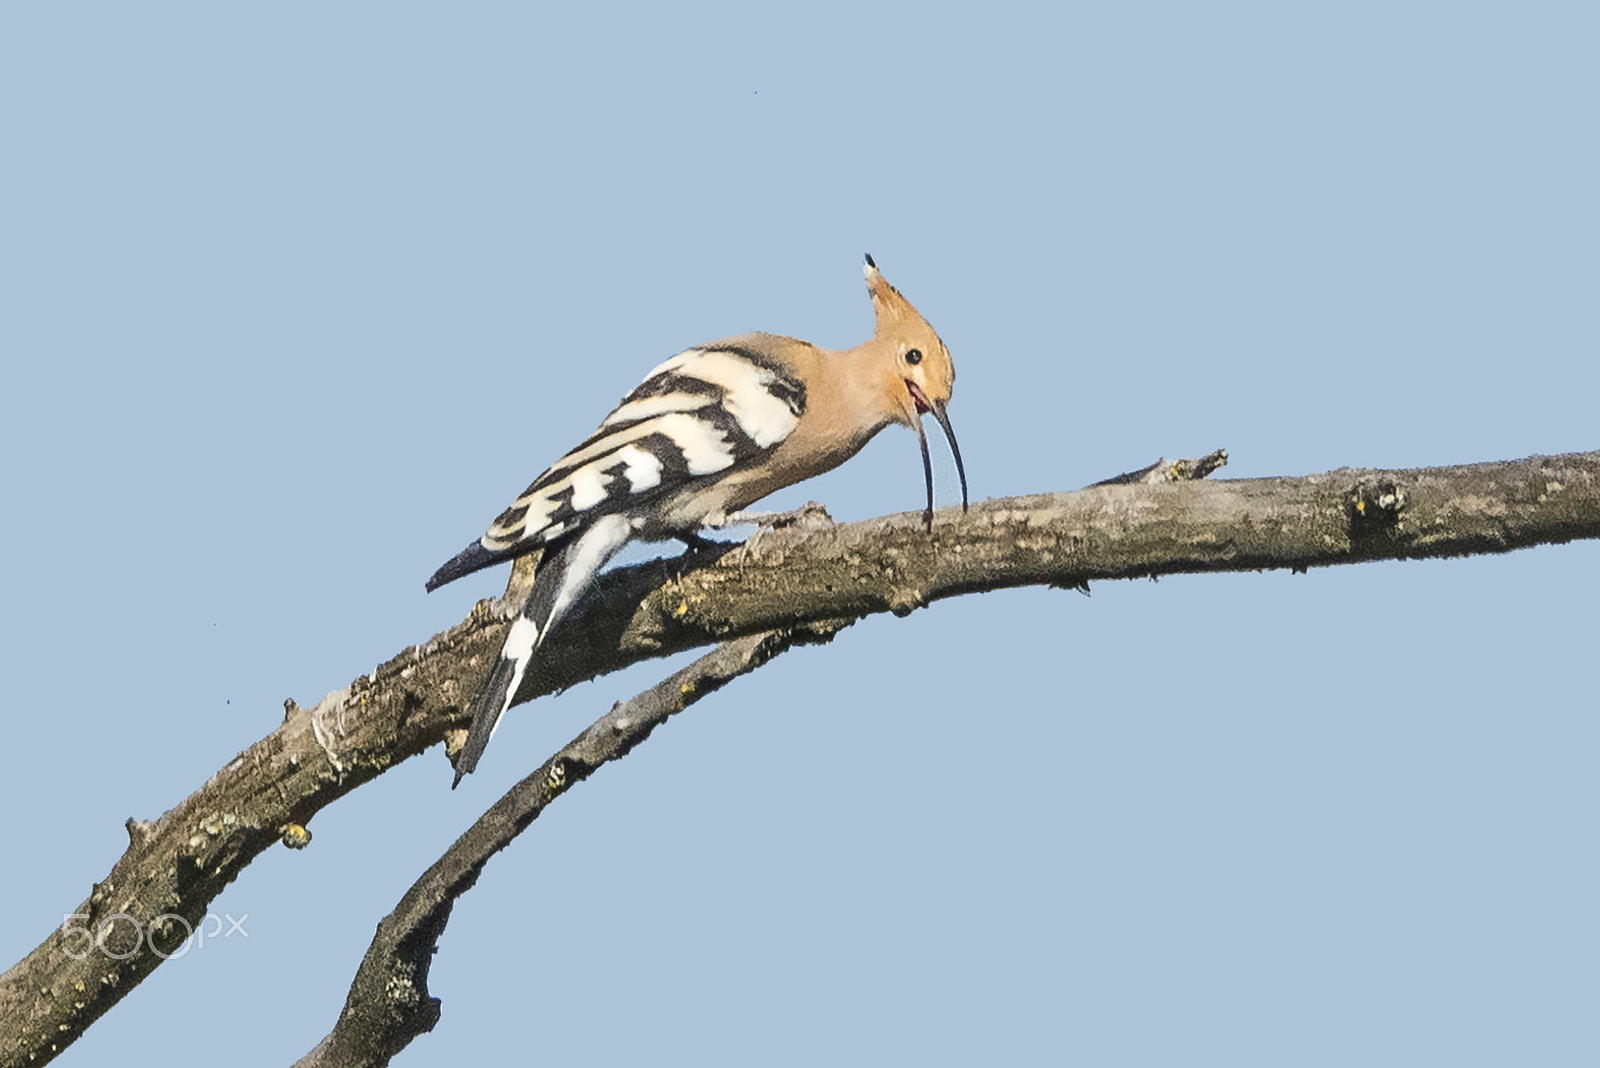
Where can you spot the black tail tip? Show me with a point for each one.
(473, 558)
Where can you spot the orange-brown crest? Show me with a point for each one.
(900, 330)
(919, 373)
(888, 305)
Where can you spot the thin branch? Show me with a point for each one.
(175, 866)
(389, 1004)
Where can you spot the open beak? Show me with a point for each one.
(923, 405)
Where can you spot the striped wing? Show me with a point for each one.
(699, 415)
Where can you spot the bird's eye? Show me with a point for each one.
(913, 356)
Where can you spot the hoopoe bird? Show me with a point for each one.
(707, 433)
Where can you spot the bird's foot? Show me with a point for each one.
(810, 516)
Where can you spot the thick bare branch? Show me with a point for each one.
(176, 865)
(389, 1005)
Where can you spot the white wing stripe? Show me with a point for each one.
(539, 511)
(704, 448)
(604, 446)
(736, 375)
(588, 487)
(764, 417)
(643, 470)
(674, 364)
(646, 407)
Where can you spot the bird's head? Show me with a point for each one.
(918, 375)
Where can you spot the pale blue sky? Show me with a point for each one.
(295, 300)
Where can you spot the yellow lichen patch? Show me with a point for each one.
(296, 837)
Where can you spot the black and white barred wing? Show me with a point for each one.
(699, 416)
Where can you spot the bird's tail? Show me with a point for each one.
(487, 708)
(563, 576)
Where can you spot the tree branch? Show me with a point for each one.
(388, 1004)
(175, 866)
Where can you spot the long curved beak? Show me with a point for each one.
(922, 403)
